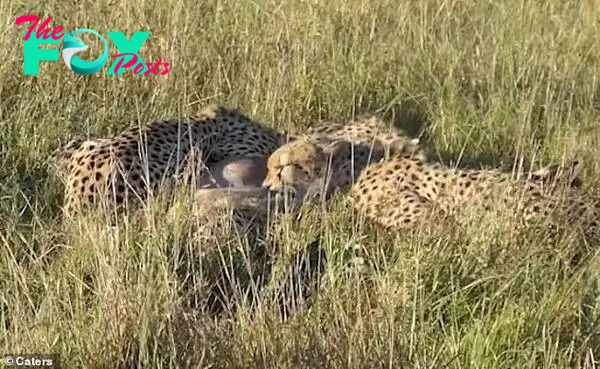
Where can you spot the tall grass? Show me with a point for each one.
(491, 82)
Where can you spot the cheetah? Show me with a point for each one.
(396, 189)
(410, 188)
(250, 208)
(318, 168)
(366, 140)
(129, 165)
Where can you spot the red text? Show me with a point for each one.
(153, 68)
(42, 31)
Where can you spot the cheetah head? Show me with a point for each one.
(296, 166)
(305, 165)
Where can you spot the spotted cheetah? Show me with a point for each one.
(398, 193)
(126, 166)
(398, 188)
(366, 140)
(320, 166)
(369, 128)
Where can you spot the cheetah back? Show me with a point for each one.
(398, 193)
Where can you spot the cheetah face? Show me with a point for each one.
(294, 166)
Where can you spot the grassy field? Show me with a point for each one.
(489, 82)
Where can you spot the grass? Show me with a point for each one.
(485, 82)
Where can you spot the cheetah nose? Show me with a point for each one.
(267, 182)
(270, 182)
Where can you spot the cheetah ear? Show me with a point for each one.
(571, 171)
(209, 111)
(574, 173)
(402, 146)
(285, 138)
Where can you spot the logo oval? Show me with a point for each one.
(73, 45)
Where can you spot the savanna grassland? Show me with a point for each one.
(485, 82)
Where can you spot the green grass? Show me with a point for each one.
(485, 81)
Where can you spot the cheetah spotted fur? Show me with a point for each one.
(127, 166)
(396, 184)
